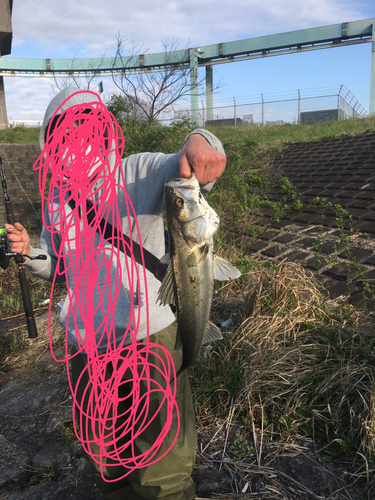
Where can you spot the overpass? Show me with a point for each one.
(332, 36)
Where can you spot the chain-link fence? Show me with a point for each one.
(299, 107)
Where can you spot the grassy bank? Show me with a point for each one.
(287, 133)
(140, 136)
(19, 135)
(294, 367)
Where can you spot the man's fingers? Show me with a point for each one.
(19, 226)
(198, 156)
(185, 170)
(16, 229)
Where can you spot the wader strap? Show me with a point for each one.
(109, 232)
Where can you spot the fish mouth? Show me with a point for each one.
(187, 183)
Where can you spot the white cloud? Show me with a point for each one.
(93, 25)
(250, 18)
(27, 98)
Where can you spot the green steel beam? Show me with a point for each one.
(322, 37)
(194, 91)
(332, 35)
(209, 92)
(111, 65)
(335, 35)
(286, 51)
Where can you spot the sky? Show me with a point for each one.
(89, 28)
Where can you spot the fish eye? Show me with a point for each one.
(178, 202)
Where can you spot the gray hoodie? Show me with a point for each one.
(145, 174)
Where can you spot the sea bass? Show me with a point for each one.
(189, 280)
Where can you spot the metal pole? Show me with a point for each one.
(3, 108)
(372, 81)
(338, 97)
(209, 93)
(299, 107)
(235, 112)
(194, 85)
(262, 110)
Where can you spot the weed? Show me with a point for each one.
(11, 342)
(298, 364)
(20, 135)
(33, 476)
(369, 291)
(242, 448)
(68, 433)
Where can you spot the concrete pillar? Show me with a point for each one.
(209, 93)
(3, 109)
(372, 80)
(194, 85)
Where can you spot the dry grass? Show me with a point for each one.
(297, 369)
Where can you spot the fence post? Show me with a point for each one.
(194, 85)
(262, 110)
(209, 93)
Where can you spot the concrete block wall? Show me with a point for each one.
(22, 182)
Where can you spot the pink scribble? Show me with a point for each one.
(77, 158)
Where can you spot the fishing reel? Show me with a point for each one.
(5, 251)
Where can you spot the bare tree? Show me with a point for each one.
(86, 82)
(152, 91)
(135, 109)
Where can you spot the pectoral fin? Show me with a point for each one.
(224, 270)
(166, 258)
(196, 257)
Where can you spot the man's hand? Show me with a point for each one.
(19, 238)
(198, 156)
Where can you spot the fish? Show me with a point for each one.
(188, 283)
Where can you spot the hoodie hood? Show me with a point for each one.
(85, 144)
(70, 96)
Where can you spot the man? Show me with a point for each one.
(144, 175)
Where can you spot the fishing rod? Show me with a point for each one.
(5, 256)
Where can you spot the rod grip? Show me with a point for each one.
(9, 213)
(25, 291)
